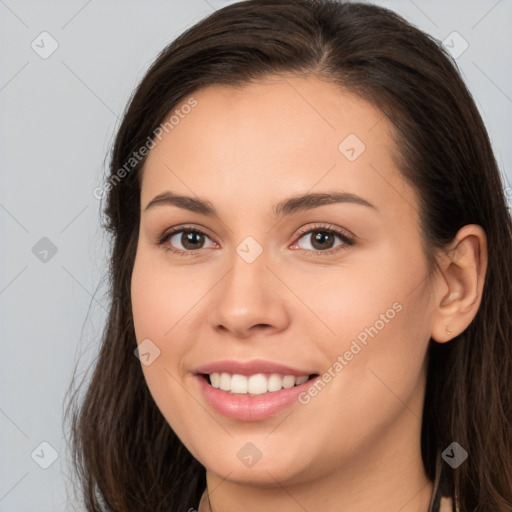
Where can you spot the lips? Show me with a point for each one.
(251, 391)
(253, 377)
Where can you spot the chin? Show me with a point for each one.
(259, 463)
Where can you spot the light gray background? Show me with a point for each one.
(58, 118)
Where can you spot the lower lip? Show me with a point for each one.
(250, 407)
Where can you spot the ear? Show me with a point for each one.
(459, 283)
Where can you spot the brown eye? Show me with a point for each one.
(191, 240)
(322, 240)
(183, 241)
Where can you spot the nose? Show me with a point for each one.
(250, 300)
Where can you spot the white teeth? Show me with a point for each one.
(225, 382)
(215, 379)
(255, 384)
(238, 384)
(288, 382)
(301, 380)
(275, 383)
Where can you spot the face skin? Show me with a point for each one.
(356, 442)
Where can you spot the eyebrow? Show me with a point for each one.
(286, 207)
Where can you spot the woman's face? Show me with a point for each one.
(299, 256)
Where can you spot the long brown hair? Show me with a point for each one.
(126, 455)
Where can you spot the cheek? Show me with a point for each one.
(163, 300)
(154, 315)
(379, 320)
(384, 291)
(158, 305)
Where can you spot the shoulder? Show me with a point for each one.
(446, 504)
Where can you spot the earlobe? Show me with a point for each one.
(460, 283)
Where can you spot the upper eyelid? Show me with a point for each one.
(179, 229)
(326, 227)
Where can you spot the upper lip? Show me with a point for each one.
(250, 368)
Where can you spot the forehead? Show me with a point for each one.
(281, 135)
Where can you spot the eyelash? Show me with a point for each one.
(345, 238)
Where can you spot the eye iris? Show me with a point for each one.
(190, 238)
(322, 236)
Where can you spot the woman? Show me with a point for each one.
(312, 265)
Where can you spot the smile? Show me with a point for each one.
(251, 391)
(256, 384)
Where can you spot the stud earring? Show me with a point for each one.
(448, 330)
